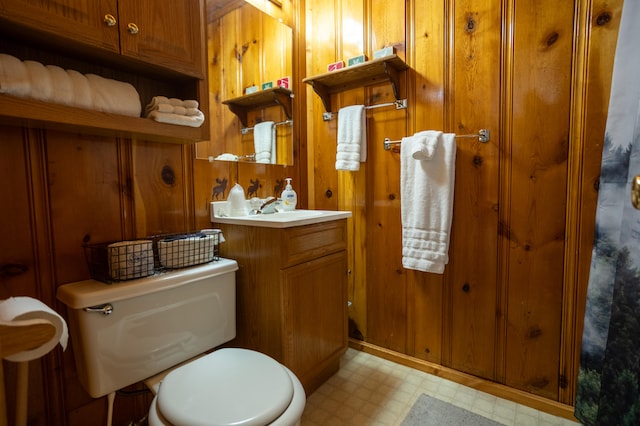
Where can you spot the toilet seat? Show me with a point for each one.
(228, 386)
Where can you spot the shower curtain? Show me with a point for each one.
(608, 391)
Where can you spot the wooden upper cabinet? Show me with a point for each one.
(80, 20)
(165, 33)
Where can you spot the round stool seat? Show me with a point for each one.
(227, 387)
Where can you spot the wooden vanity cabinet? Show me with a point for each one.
(292, 294)
(165, 33)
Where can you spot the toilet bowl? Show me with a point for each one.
(137, 330)
(229, 387)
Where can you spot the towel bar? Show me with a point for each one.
(246, 130)
(483, 136)
(399, 104)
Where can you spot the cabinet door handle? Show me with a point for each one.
(110, 20)
(132, 28)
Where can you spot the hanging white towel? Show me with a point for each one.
(264, 141)
(426, 191)
(352, 138)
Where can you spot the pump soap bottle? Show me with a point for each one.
(289, 197)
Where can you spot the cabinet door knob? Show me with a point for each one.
(132, 28)
(110, 20)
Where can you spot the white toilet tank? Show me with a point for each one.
(126, 332)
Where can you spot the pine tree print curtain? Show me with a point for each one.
(608, 391)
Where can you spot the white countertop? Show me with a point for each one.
(284, 219)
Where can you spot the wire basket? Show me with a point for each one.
(125, 260)
(120, 261)
(183, 250)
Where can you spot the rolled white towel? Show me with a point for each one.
(160, 103)
(176, 102)
(179, 110)
(181, 120)
(190, 103)
(40, 79)
(114, 96)
(82, 94)
(14, 79)
(191, 112)
(63, 92)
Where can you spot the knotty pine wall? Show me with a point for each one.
(509, 307)
(537, 74)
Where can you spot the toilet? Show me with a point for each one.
(137, 330)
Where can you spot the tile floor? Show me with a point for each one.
(369, 390)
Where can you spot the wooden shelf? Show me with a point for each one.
(365, 74)
(240, 106)
(31, 113)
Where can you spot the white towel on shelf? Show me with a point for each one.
(426, 193)
(14, 79)
(63, 92)
(352, 138)
(264, 142)
(40, 79)
(82, 94)
(114, 96)
(174, 111)
(181, 120)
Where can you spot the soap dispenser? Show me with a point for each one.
(289, 197)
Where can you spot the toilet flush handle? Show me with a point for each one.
(104, 309)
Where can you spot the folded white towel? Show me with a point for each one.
(156, 101)
(352, 137)
(181, 120)
(63, 92)
(191, 111)
(426, 192)
(190, 103)
(264, 142)
(114, 96)
(40, 79)
(227, 157)
(82, 93)
(14, 78)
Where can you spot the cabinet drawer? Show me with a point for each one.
(308, 242)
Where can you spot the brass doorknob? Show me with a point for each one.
(635, 192)
(110, 20)
(132, 28)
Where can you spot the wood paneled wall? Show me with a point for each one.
(509, 307)
(536, 74)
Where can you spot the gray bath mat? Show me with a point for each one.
(429, 411)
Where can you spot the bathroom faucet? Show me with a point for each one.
(269, 206)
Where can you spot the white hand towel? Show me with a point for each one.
(114, 96)
(62, 85)
(14, 78)
(181, 120)
(352, 137)
(82, 94)
(424, 144)
(40, 78)
(264, 141)
(426, 192)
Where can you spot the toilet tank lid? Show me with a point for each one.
(83, 294)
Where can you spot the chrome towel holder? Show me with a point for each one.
(483, 135)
